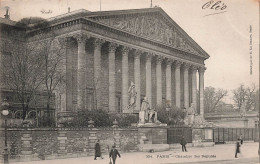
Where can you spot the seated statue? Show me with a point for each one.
(147, 114)
(152, 116)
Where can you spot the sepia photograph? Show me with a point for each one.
(129, 81)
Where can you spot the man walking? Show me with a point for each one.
(183, 144)
(237, 147)
(114, 153)
(97, 151)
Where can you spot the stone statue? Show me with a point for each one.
(190, 114)
(152, 116)
(145, 107)
(132, 96)
(147, 114)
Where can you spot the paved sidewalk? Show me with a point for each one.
(217, 154)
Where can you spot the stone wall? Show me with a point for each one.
(37, 144)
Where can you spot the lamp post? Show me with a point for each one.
(5, 112)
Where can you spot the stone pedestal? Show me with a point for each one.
(201, 137)
(152, 135)
(62, 138)
(26, 143)
(141, 117)
(92, 139)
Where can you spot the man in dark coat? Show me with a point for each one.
(114, 153)
(97, 150)
(237, 147)
(183, 144)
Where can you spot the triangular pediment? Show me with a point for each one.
(155, 25)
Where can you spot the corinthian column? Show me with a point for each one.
(81, 39)
(97, 71)
(169, 81)
(149, 78)
(137, 79)
(178, 83)
(186, 85)
(111, 73)
(201, 87)
(159, 80)
(125, 51)
(194, 86)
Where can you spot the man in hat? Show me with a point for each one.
(183, 144)
(114, 153)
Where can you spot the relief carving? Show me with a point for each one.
(151, 27)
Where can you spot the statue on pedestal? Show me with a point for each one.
(190, 114)
(147, 115)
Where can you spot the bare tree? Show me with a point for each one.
(244, 94)
(22, 70)
(213, 98)
(53, 52)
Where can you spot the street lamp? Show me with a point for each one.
(5, 112)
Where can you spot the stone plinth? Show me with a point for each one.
(117, 138)
(202, 137)
(152, 135)
(92, 139)
(27, 143)
(62, 138)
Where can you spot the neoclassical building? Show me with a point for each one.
(106, 51)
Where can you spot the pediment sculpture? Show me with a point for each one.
(149, 26)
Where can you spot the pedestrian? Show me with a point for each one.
(183, 144)
(241, 139)
(114, 153)
(237, 147)
(97, 150)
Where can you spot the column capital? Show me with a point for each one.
(186, 66)
(137, 52)
(81, 38)
(148, 56)
(98, 42)
(194, 67)
(125, 50)
(169, 61)
(202, 69)
(178, 63)
(63, 39)
(159, 59)
(112, 47)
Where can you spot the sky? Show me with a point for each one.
(221, 28)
